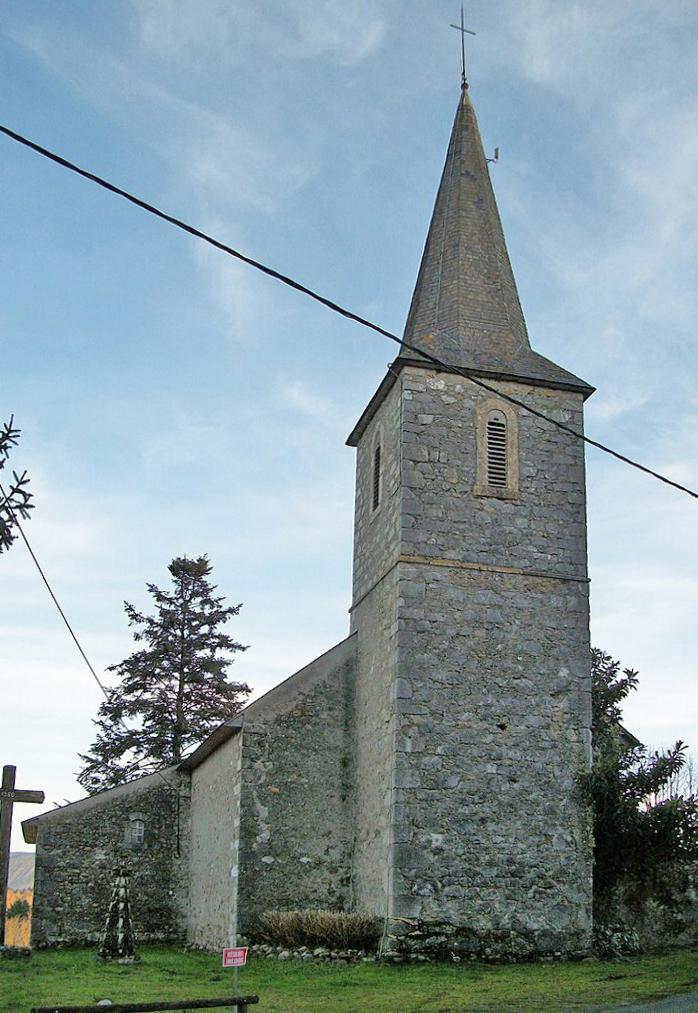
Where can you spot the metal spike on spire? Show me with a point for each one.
(463, 30)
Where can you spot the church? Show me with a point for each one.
(425, 769)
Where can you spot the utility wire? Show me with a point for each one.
(15, 520)
(37, 564)
(335, 307)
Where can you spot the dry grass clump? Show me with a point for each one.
(19, 920)
(337, 930)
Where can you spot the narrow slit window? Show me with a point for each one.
(376, 476)
(497, 450)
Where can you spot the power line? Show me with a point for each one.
(335, 307)
(15, 520)
(71, 631)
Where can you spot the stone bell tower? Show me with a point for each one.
(470, 604)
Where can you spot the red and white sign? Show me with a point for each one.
(235, 956)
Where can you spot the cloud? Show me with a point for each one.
(227, 163)
(559, 45)
(310, 404)
(177, 27)
(607, 406)
(235, 290)
(185, 441)
(343, 33)
(217, 153)
(347, 33)
(576, 46)
(67, 526)
(643, 565)
(219, 168)
(617, 232)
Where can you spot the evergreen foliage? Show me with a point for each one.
(174, 691)
(645, 838)
(15, 500)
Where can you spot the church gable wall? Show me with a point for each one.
(215, 800)
(79, 846)
(295, 833)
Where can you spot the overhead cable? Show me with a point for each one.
(71, 631)
(335, 307)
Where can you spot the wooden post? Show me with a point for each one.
(8, 783)
(8, 796)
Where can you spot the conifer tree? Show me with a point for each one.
(645, 837)
(174, 691)
(15, 498)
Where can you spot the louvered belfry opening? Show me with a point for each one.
(376, 476)
(497, 450)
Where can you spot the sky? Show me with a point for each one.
(174, 402)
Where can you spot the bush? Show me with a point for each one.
(614, 939)
(333, 929)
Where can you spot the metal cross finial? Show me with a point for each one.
(463, 30)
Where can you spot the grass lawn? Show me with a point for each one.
(166, 972)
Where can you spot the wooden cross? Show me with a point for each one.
(8, 796)
(463, 30)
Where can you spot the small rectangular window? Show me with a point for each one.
(136, 832)
(376, 476)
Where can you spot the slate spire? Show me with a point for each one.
(465, 308)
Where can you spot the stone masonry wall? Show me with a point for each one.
(492, 737)
(374, 617)
(295, 803)
(377, 532)
(215, 798)
(79, 846)
(544, 530)
(491, 836)
(374, 757)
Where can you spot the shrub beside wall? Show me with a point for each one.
(336, 930)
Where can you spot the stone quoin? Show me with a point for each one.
(425, 769)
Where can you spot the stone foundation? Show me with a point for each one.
(414, 939)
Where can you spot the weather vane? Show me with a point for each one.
(463, 30)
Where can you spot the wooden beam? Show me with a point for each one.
(22, 795)
(240, 1001)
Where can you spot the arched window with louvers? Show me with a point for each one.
(497, 450)
(496, 435)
